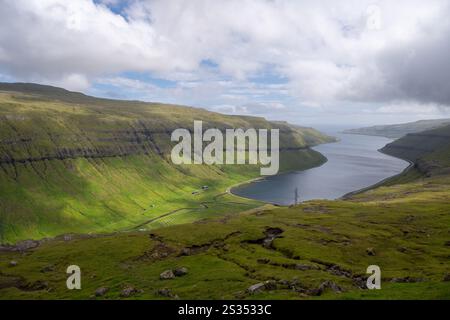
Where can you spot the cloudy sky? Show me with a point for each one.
(308, 62)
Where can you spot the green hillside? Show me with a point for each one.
(317, 250)
(230, 247)
(74, 163)
(396, 131)
(430, 150)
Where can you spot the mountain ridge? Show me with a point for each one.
(396, 131)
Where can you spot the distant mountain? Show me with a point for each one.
(396, 131)
(429, 150)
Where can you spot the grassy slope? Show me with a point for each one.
(73, 163)
(430, 150)
(405, 225)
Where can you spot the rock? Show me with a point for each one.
(402, 249)
(271, 234)
(270, 285)
(101, 291)
(303, 267)
(267, 285)
(167, 293)
(27, 244)
(360, 281)
(407, 279)
(267, 243)
(447, 243)
(35, 286)
(329, 285)
(256, 288)
(67, 237)
(167, 275)
(179, 272)
(370, 251)
(447, 277)
(160, 251)
(13, 263)
(129, 291)
(284, 282)
(185, 252)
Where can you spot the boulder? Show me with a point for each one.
(101, 291)
(13, 263)
(185, 252)
(26, 244)
(179, 272)
(407, 279)
(329, 285)
(303, 267)
(447, 277)
(129, 291)
(256, 288)
(270, 285)
(167, 275)
(37, 285)
(167, 293)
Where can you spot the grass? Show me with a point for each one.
(70, 163)
(224, 241)
(406, 225)
(112, 194)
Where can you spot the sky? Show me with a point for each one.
(348, 63)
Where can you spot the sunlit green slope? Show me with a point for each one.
(74, 163)
(316, 250)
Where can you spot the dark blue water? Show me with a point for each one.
(353, 163)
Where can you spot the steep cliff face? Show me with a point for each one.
(43, 123)
(74, 163)
(430, 150)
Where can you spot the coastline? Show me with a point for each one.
(229, 190)
(343, 197)
(382, 182)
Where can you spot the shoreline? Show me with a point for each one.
(230, 191)
(343, 197)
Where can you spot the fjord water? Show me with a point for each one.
(353, 163)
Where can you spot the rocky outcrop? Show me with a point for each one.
(167, 275)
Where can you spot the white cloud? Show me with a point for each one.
(410, 108)
(329, 52)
